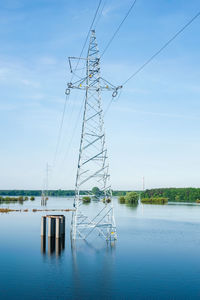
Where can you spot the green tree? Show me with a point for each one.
(131, 197)
(96, 191)
(86, 199)
(122, 199)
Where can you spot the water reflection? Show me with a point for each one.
(89, 262)
(43, 244)
(132, 206)
(55, 245)
(60, 246)
(43, 201)
(51, 245)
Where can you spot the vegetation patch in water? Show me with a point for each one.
(122, 200)
(174, 194)
(106, 200)
(86, 199)
(155, 200)
(7, 199)
(129, 198)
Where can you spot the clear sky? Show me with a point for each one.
(152, 130)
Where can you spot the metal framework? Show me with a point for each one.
(93, 167)
(45, 190)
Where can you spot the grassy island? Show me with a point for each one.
(106, 200)
(129, 198)
(154, 200)
(13, 199)
(122, 200)
(86, 199)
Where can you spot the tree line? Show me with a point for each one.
(174, 194)
(55, 193)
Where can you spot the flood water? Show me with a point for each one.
(156, 256)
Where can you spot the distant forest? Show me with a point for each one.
(174, 194)
(55, 193)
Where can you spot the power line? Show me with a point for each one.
(94, 18)
(118, 28)
(60, 129)
(162, 48)
(110, 102)
(64, 107)
(73, 132)
(100, 15)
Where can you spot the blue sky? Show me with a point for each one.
(152, 129)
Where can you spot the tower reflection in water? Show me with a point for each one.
(93, 265)
(55, 245)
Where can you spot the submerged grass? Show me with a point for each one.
(154, 200)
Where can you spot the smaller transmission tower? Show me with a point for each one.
(45, 191)
(93, 167)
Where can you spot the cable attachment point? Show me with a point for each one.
(69, 85)
(67, 91)
(114, 94)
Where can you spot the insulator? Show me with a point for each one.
(67, 91)
(114, 94)
(69, 85)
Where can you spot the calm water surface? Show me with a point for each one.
(156, 256)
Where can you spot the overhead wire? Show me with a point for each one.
(110, 102)
(162, 48)
(60, 129)
(100, 15)
(158, 52)
(73, 132)
(65, 102)
(118, 28)
(94, 18)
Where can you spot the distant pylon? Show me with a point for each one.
(143, 183)
(45, 191)
(93, 167)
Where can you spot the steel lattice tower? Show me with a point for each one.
(93, 167)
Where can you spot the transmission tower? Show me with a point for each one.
(93, 167)
(45, 191)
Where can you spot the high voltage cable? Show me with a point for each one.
(64, 107)
(162, 48)
(110, 102)
(118, 28)
(94, 18)
(157, 53)
(73, 132)
(60, 129)
(100, 15)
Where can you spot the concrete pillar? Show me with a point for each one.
(43, 226)
(58, 227)
(63, 225)
(51, 227)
